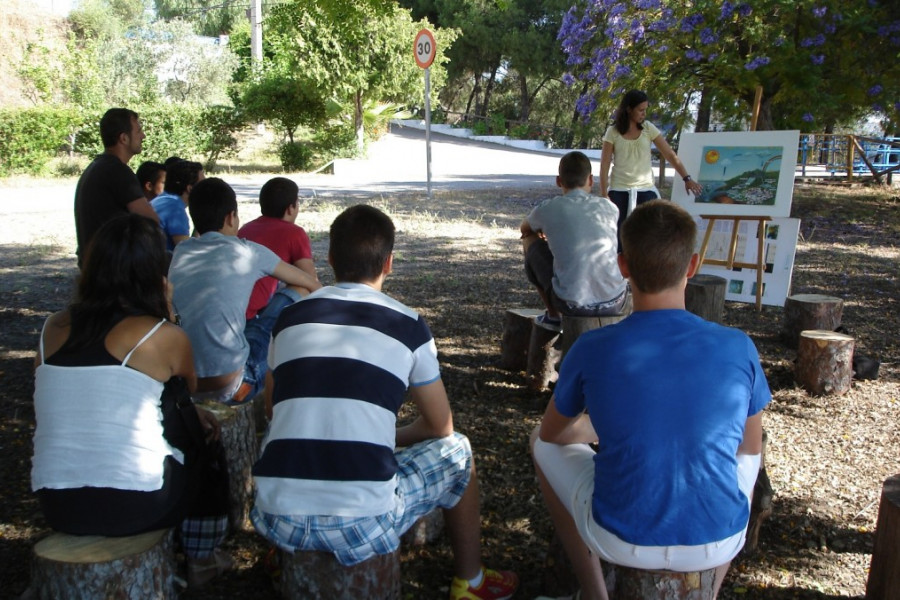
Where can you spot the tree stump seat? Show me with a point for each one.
(705, 296)
(241, 451)
(87, 567)
(626, 583)
(514, 344)
(318, 575)
(810, 311)
(824, 362)
(425, 530)
(884, 570)
(543, 355)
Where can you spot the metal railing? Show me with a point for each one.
(848, 156)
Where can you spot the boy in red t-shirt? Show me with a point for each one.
(276, 230)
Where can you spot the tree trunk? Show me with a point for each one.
(524, 99)
(358, 123)
(473, 96)
(542, 356)
(489, 88)
(704, 110)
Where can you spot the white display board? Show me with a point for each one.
(742, 173)
(778, 252)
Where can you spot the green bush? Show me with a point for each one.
(218, 125)
(479, 128)
(30, 138)
(295, 156)
(520, 132)
(497, 124)
(336, 141)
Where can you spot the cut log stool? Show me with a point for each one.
(705, 297)
(824, 362)
(313, 575)
(625, 583)
(761, 505)
(809, 311)
(884, 572)
(517, 324)
(543, 354)
(241, 451)
(573, 327)
(425, 530)
(87, 567)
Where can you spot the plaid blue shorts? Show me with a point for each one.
(200, 536)
(431, 474)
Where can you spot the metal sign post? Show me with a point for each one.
(424, 50)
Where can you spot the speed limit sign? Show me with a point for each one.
(424, 48)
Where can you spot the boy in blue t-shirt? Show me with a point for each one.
(676, 408)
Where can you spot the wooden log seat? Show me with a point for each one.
(625, 583)
(543, 354)
(705, 297)
(318, 575)
(761, 507)
(241, 451)
(88, 567)
(517, 324)
(884, 571)
(425, 530)
(824, 362)
(809, 311)
(573, 327)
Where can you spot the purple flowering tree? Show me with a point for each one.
(819, 62)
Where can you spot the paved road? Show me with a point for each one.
(34, 211)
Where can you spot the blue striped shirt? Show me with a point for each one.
(342, 360)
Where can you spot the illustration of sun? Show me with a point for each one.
(712, 157)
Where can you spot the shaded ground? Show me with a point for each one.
(458, 262)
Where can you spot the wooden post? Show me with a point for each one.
(809, 311)
(516, 336)
(241, 451)
(85, 567)
(543, 355)
(705, 297)
(884, 572)
(318, 575)
(757, 103)
(625, 583)
(824, 362)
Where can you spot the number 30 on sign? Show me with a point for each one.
(424, 48)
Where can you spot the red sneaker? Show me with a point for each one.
(496, 585)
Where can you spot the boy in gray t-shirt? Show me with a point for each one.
(213, 276)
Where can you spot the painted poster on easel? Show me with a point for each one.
(779, 248)
(742, 173)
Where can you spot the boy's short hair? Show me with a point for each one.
(180, 175)
(276, 196)
(361, 241)
(114, 123)
(574, 169)
(210, 202)
(149, 172)
(658, 240)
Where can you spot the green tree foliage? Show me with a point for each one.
(818, 62)
(352, 51)
(107, 19)
(208, 17)
(285, 101)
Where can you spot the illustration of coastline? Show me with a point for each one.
(739, 174)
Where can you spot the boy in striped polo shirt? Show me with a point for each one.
(330, 477)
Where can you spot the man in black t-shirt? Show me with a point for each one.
(108, 187)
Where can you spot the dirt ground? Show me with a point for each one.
(458, 261)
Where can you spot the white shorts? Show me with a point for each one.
(569, 470)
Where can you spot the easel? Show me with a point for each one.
(729, 263)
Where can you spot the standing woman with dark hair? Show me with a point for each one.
(118, 448)
(626, 145)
